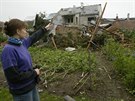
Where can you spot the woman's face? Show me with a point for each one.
(22, 33)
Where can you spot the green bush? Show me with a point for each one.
(60, 60)
(123, 61)
(5, 95)
(2, 38)
(129, 34)
(111, 49)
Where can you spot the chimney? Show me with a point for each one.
(128, 16)
(82, 4)
(117, 18)
(74, 8)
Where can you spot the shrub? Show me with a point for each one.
(129, 34)
(60, 60)
(123, 61)
(2, 38)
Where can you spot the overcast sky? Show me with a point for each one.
(25, 9)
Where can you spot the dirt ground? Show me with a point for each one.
(100, 85)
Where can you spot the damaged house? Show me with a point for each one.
(76, 16)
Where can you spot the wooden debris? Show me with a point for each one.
(82, 74)
(45, 82)
(65, 74)
(82, 85)
(52, 73)
(107, 72)
(50, 80)
(53, 41)
(95, 30)
(80, 80)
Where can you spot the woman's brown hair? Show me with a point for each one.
(11, 27)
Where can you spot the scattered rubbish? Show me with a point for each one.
(68, 98)
(70, 49)
(40, 90)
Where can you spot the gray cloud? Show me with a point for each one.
(24, 8)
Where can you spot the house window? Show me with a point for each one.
(91, 19)
(68, 20)
(71, 20)
(70, 12)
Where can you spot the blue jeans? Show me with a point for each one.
(33, 95)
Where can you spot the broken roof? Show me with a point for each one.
(127, 24)
(51, 16)
(90, 9)
(122, 24)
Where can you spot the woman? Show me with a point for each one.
(17, 62)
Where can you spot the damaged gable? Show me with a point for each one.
(76, 16)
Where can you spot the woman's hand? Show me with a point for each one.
(37, 71)
(49, 26)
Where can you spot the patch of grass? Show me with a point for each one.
(124, 62)
(2, 38)
(44, 96)
(83, 98)
(5, 95)
(60, 60)
(129, 34)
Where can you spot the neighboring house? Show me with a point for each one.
(122, 24)
(107, 20)
(128, 24)
(114, 24)
(77, 16)
(1, 25)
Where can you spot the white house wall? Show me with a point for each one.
(80, 15)
(58, 20)
(77, 21)
(83, 20)
(100, 10)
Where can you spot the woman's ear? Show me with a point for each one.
(18, 31)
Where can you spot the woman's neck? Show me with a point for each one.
(16, 36)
